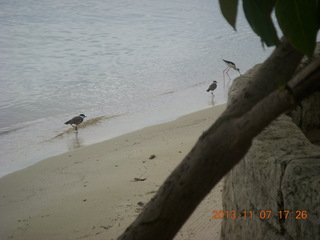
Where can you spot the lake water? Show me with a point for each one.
(128, 64)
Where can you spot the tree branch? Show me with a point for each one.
(280, 101)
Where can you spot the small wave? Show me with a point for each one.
(165, 93)
(197, 84)
(87, 123)
(189, 86)
(10, 131)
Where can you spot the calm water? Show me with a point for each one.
(138, 62)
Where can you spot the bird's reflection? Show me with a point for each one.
(212, 100)
(211, 89)
(74, 141)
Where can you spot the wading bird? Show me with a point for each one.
(230, 65)
(76, 121)
(212, 87)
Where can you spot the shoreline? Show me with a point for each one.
(96, 191)
(50, 137)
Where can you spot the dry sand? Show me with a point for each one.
(92, 192)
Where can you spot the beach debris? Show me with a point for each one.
(23, 220)
(151, 192)
(152, 156)
(106, 228)
(140, 208)
(138, 179)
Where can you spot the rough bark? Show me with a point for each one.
(306, 114)
(224, 144)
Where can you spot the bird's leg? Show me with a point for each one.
(75, 127)
(224, 80)
(228, 76)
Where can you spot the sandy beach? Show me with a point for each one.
(95, 192)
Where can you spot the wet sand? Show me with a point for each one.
(95, 192)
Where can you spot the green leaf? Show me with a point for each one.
(229, 11)
(258, 13)
(298, 22)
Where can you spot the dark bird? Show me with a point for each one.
(212, 87)
(230, 65)
(76, 121)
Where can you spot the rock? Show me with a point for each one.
(281, 172)
(307, 114)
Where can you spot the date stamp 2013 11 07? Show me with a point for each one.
(264, 214)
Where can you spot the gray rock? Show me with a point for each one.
(281, 172)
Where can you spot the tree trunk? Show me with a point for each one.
(223, 145)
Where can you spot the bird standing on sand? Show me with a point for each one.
(230, 65)
(76, 121)
(212, 87)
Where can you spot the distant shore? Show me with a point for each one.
(95, 192)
